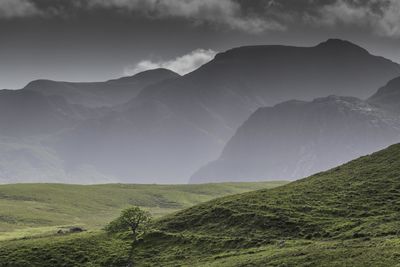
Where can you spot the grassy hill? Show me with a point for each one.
(28, 209)
(348, 216)
(358, 199)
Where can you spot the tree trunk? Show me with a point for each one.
(130, 258)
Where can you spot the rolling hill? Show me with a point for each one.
(359, 197)
(36, 208)
(356, 202)
(347, 216)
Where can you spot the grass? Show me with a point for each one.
(97, 249)
(84, 249)
(347, 216)
(38, 209)
(358, 199)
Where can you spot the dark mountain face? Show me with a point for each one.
(102, 94)
(295, 139)
(27, 113)
(388, 97)
(219, 96)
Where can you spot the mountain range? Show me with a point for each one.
(160, 127)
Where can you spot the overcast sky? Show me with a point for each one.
(90, 40)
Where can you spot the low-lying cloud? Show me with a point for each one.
(182, 65)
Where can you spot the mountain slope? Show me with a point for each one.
(28, 113)
(357, 199)
(41, 112)
(100, 94)
(181, 124)
(295, 139)
(145, 144)
(30, 119)
(388, 97)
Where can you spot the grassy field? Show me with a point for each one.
(35, 209)
(98, 249)
(347, 216)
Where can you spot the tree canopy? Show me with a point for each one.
(132, 219)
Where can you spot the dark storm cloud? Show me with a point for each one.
(254, 16)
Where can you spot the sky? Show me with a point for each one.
(95, 40)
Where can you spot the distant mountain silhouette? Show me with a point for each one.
(296, 138)
(100, 94)
(173, 127)
(160, 127)
(222, 94)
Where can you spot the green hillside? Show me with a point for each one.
(348, 216)
(28, 209)
(358, 199)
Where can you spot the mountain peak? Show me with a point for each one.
(151, 76)
(339, 44)
(158, 71)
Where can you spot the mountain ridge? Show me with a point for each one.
(102, 94)
(297, 138)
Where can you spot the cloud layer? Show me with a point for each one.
(182, 65)
(219, 12)
(382, 16)
(255, 16)
(17, 8)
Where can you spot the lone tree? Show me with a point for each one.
(133, 220)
